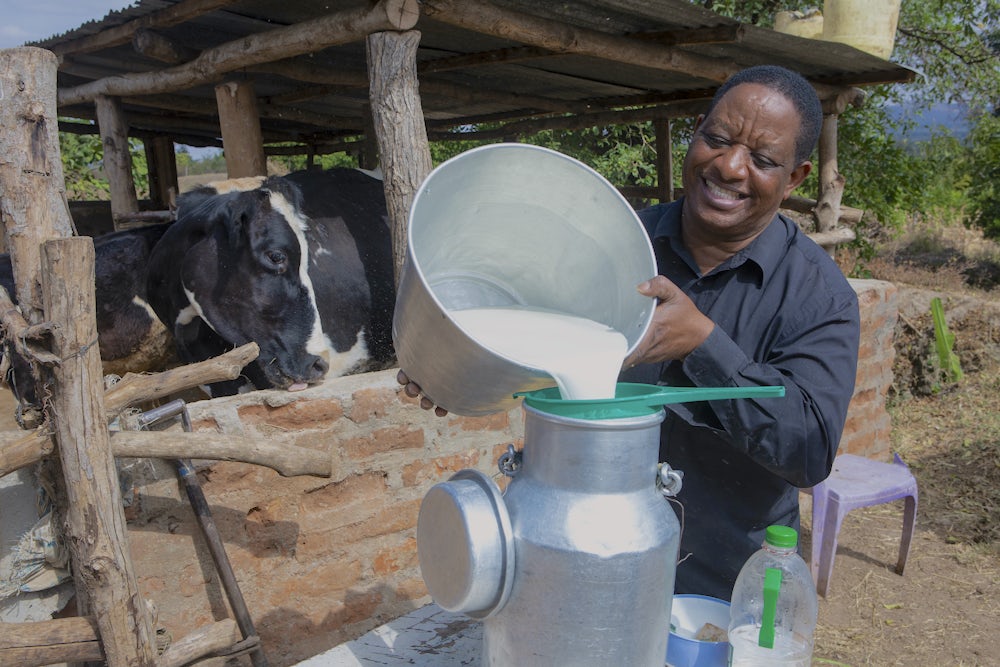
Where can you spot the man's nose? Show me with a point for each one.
(733, 162)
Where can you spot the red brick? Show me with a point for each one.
(372, 403)
(295, 415)
(385, 521)
(418, 472)
(337, 496)
(207, 424)
(394, 559)
(383, 440)
(499, 421)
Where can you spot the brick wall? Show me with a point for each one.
(324, 560)
(868, 426)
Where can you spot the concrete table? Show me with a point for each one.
(428, 637)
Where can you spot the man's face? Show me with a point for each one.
(741, 164)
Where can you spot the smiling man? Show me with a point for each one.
(746, 299)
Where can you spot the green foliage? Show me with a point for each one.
(81, 157)
(82, 160)
(983, 174)
(944, 342)
(299, 162)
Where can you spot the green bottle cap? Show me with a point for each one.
(781, 536)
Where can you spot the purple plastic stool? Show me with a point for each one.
(855, 482)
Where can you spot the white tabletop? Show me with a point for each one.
(428, 636)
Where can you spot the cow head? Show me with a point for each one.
(231, 270)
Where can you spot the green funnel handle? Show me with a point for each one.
(687, 394)
(772, 588)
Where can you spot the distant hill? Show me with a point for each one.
(940, 118)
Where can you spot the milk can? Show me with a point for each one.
(574, 563)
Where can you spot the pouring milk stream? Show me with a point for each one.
(583, 356)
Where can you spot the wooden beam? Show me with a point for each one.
(286, 459)
(558, 37)
(106, 582)
(162, 163)
(117, 155)
(576, 122)
(241, 137)
(831, 181)
(207, 641)
(337, 28)
(122, 34)
(38, 643)
(398, 119)
(156, 46)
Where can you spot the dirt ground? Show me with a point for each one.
(945, 608)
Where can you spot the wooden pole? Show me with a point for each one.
(107, 587)
(664, 160)
(399, 127)
(162, 162)
(48, 642)
(242, 142)
(32, 187)
(117, 158)
(831, 181)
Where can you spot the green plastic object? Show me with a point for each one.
(633, 399)
(781, 536)
(772, 588)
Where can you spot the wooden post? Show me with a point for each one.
(368, 156)
(117, 158)
(32, 187)
(664, 160)
(831, 181)
(242, 141)
(162, 163)
(107, 588)
(399, 127)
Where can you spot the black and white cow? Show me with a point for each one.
(131, 337)
(301, 265)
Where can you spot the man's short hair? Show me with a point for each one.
(796, 89)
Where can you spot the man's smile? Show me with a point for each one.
(722, 193)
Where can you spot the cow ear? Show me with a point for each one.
(240, 211)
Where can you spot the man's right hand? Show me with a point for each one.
(678, 327)
(412, 389)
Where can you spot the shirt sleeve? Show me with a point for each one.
(796, 436)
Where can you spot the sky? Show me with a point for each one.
(30, 20)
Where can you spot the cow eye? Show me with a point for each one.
(276, 260)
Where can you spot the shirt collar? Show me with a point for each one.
(765, 251)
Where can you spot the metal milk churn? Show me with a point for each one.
(574, 564)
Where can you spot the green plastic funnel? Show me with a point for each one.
(635, 399)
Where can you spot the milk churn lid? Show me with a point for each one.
(465, 545)
(781, 536)
(634, 399)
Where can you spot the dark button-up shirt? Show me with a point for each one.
(784, 315)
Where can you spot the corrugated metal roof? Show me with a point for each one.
(466, 75)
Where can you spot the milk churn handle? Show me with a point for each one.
(668, 480)
(510, 461)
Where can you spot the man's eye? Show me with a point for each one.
(763, 162)
(713, 140)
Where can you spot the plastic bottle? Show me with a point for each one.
(772, 617)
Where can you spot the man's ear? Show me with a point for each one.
(697, 121)
(797, 176)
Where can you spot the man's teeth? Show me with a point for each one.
(719, 192)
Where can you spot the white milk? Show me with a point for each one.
(583, 356)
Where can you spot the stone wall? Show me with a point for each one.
(324, 560)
